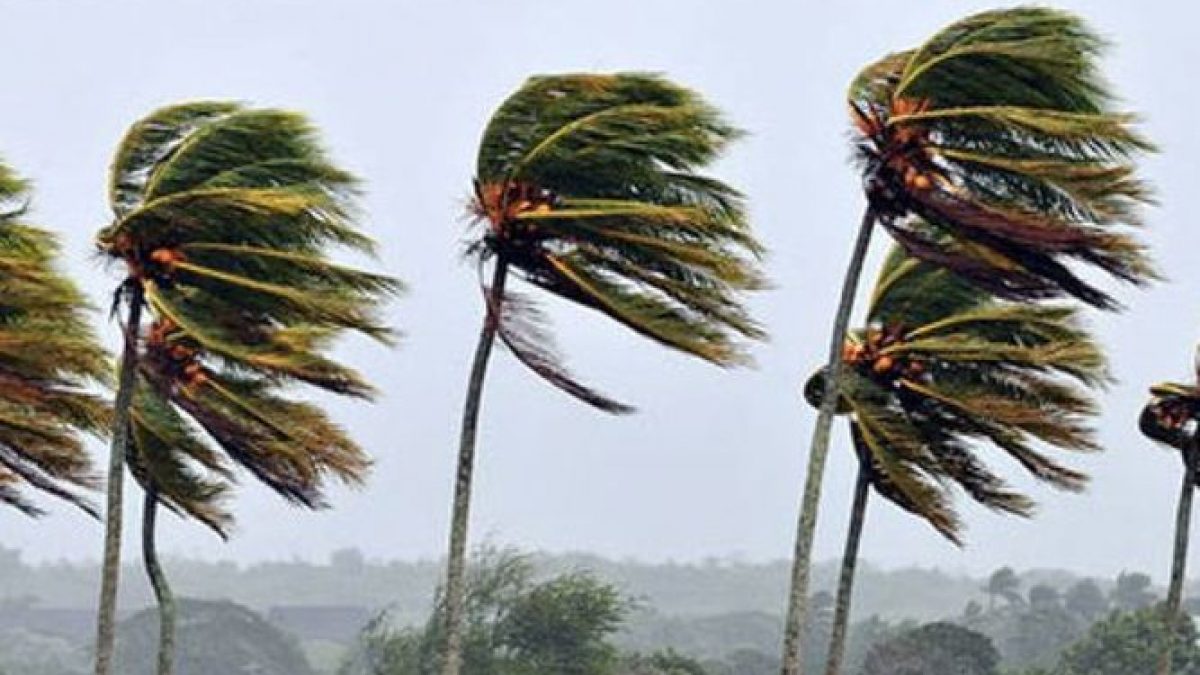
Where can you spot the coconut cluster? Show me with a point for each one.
(902, 151)
(173, 355)
(501, 203)
(871, 355)
(1175, 412)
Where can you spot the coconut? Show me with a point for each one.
(883, 364)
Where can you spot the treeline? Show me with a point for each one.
(667, 592)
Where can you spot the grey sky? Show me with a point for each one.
(712, 464)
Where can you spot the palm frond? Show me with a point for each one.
(999, 134)
(589, 187)
(943, 370)
(229, 217)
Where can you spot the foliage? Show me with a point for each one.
(225, 218)
(1132, 592)
(215, 638)
(1004, 583)
(942, 371)
(934, 649)
(588, 187)
(50, 360)
(515, 625)
(1132, 642)
(1085, 599)
(993, 150)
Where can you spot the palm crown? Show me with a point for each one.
(1172, 415)
(993, 150)
(942, 368)
(49, 360)
(224, 216)
(587, 186)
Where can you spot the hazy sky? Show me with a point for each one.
(713, 463)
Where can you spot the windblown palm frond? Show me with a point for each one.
(587, 187)
(943, 369)
(993, 150)
(225, 217)
(1172, 417)
(50, 359)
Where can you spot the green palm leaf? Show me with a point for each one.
(50, 362)
(943, 371)
(227, 217)
(588, 188)
(993, 150)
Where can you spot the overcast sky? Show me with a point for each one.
(712, 465)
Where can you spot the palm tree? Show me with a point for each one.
(943, 373)
(49, 358)
(991, 150)
(224, 217)
(1172, 417)
(587, 188)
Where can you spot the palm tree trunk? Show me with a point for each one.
(1183, 518)
(841, 615)
(797, 611)
(158, 581)
(110, 576)
(456, 561)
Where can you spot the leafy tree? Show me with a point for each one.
(587, 187)
(1044, 597)
(990, 150)
(215, 638)
(515, 626)
(225, 218)
(1132, 592)
(1172, 417)
(1003, 583)
(1039, 632)
(49, 360)
(942, 369)
(1085, 599)
(934, 649)
(1133, 642)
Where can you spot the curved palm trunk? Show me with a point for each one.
(456, 561)
(1183, 518)
(845, 591)
(110, 576)
(797, 611)
(158, 581)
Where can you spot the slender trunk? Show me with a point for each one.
(456, 561)
(797, 611)
(158, 581)
(1183, 518)
(110, 577)
(845, 591)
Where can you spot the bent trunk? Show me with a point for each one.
(456, 561)
(845, 591)
(1183, 518)
(797, 611)
(110, 576)
(158, 581)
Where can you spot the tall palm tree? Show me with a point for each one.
(991, 150)
(1172, 417)
(225, 217)
(587, 187)
(49, 358)
(943, 373)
